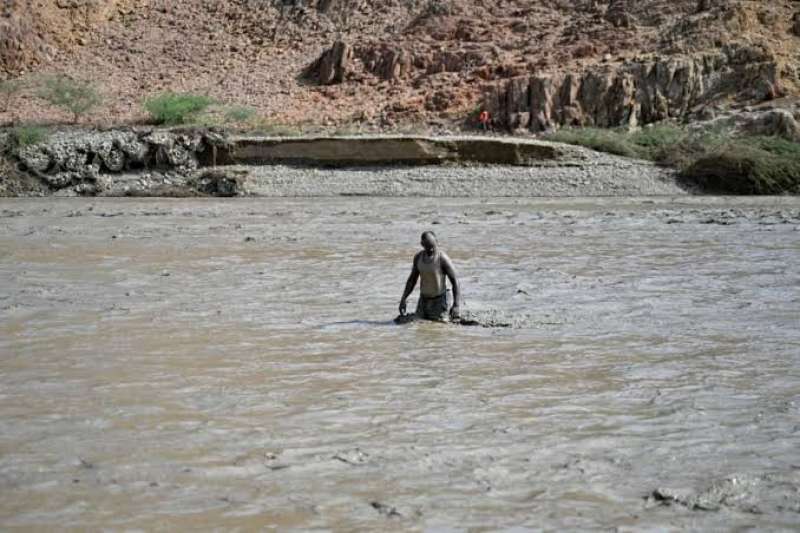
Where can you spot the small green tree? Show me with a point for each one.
(176, 108)
(74, 96)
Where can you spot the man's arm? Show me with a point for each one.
(410, 284)
(450, 272)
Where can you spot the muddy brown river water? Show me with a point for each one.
(175, 364)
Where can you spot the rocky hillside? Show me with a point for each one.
(535, 64)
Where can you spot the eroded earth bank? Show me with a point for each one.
(174, 363)
(204, 162)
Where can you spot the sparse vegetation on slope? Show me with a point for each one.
(8, 89)
(714, 161)
(77, 97)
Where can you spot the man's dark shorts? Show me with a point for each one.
(435, 308)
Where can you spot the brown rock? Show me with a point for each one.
(334, 63)
(394, 64)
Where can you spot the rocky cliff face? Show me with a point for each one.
(536, 63)
(686, 80)
(636, 92)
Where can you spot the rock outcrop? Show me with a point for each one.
(635, 93)
(775, 122)
(82, 162)
(334, 63)
(393, 62)
(772, 122)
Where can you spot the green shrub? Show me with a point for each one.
(239, 114)
(74, 96)
(713, 160)
(176, 108)
(28, 135)
(748, 166)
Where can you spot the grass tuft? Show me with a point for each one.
(239, 114)
(22, 136)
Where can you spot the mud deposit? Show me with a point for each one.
(169, 364)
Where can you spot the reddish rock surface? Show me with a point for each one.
(389, 63)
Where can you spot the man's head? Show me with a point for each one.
(428, 241)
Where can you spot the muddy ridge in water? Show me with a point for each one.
(182, 363)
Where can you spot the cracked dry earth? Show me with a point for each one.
(181, 363)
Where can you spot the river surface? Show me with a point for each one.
(176, 364)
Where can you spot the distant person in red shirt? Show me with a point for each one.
(484, 119)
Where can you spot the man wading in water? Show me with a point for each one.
(432, 265)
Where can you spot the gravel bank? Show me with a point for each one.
(590, 174)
